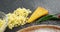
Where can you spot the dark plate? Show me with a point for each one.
(10, 5)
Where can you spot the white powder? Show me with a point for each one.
(46, 30)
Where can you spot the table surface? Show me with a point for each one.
(53, 6)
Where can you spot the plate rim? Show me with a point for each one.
(57, 26)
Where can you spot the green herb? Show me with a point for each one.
(48, 17)
(54, 18)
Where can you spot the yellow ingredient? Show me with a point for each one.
(2, 25)
(18, 17)
(2, 22)
(38, 13)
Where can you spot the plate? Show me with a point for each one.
(41, 28)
